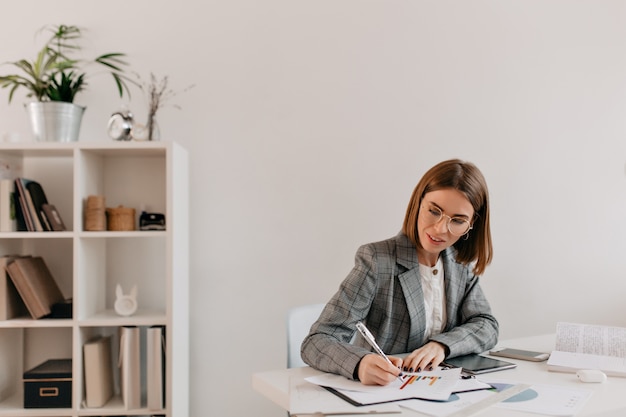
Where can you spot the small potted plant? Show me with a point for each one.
(54, 78)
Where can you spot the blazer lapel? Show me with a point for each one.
(453, 288)
(410, 281)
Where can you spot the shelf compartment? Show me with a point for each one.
(25, 348)
(142, 173)
(52, 168)
(103, 263)
(115, 405)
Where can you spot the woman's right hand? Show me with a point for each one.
(375, 370)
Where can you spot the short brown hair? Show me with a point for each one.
(466, 178)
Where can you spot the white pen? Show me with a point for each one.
(370, 339)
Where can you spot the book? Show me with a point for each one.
(35, 284)
(583, 346)
(19, 216)
(24, 190)
(53, 217)
(98, 371)
(22, 206)
(33, 214)
(11, 304)
(38, 198)
(155, 367)
(130, 367)
(8, 221)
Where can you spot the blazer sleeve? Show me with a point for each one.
(472, 328)
(327, 347)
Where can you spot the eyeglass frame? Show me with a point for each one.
(470, 226)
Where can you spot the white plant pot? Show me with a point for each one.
(55, 121)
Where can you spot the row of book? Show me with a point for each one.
(24, 207)
(28, 287)
(99, 368)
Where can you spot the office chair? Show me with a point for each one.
(299, 321)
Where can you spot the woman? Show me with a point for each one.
(417, 292)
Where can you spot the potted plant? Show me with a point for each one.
(54, 78)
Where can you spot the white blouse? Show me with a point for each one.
(434, 297)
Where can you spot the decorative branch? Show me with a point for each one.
(159, 95)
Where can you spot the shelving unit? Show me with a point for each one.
(88, 265)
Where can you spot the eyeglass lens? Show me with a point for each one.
(458, 226)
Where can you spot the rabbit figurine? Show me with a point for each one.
(125, 304)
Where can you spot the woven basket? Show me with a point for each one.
(120, 218)
(95, 215)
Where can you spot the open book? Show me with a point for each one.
(583, 346)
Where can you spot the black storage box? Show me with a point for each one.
(49, 385)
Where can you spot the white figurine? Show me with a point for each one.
(125, 305)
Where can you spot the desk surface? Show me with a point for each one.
(608, 399)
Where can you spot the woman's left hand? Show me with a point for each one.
(426, 358)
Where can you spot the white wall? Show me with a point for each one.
(312, 121)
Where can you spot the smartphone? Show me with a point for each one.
(526, 355)
(477, 364)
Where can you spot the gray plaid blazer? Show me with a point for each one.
(392, 307)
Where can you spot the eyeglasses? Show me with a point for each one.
(457, 226)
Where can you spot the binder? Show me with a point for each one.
(98, 371)
(129, 364)
(155, 367)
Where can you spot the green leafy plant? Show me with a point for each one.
(55, 75)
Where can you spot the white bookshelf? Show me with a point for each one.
(88, 265)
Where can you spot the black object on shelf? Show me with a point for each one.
(49, 385)
(151, 221)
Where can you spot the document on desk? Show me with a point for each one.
(581, 346)
(306, 398)
(434, 385)
(540, 399)
(545, 399)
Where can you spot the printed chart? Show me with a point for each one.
(419, 379)
(435, 385)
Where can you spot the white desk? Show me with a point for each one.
(608, 399)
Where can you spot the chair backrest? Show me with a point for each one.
(299, 321)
